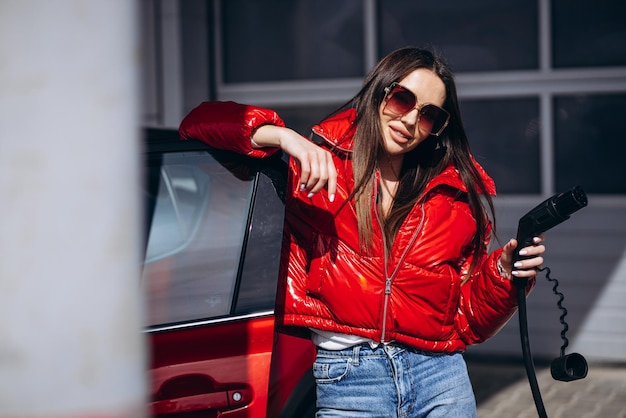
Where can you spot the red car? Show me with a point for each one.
(213, 236)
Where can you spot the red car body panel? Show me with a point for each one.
(214, 235)
(221, 370)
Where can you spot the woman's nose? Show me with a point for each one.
(411, 118)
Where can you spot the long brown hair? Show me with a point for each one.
(421, 164)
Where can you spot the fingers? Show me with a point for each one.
(509, 247)
(316, 163)
(318, 171)
(527, 268)
(532, 258)
(332, 185)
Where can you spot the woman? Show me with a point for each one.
(385, 261)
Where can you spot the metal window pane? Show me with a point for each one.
(291, 39)
(504, 136)
(588, 34)
(589, 142)
(488, 35)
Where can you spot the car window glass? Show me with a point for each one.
(197, 212)
(259, 273)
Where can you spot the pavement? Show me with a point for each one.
(502, 391)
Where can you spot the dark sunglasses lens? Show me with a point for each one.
(433, 115)
(401, 100)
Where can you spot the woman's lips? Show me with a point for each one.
(403, 136)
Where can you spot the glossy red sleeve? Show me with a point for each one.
(229, 126)
(487, 302)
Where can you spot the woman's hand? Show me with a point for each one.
(527, 267)
(316, 163)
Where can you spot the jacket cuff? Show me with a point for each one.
(500, 280)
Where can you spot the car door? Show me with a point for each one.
(213, 227)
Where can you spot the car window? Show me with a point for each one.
(260, 269)
(196, 213)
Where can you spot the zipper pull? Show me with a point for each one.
(388, 286)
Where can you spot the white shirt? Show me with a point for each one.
(328, 340)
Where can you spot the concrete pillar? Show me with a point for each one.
(70, 310)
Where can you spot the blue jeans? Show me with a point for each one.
(392, 381)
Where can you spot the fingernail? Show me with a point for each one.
(310, 195)
(517, 264)
(331, 197)
(302, 186)
(536, 240)
(523, 252)
(515, 273)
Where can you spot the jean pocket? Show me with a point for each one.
(327, 370)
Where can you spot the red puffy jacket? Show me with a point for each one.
(416, 296)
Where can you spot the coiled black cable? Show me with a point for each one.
(559, 304)
(576, 372)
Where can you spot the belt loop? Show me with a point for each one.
(355, 355)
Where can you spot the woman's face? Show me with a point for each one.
(401, 132)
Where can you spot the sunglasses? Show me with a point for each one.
(400, 100)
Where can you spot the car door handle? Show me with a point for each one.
(230, 399)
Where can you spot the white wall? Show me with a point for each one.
(70, 307)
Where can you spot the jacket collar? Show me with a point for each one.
(337, 132)
(450, 177)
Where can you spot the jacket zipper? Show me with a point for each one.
(389, 278)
